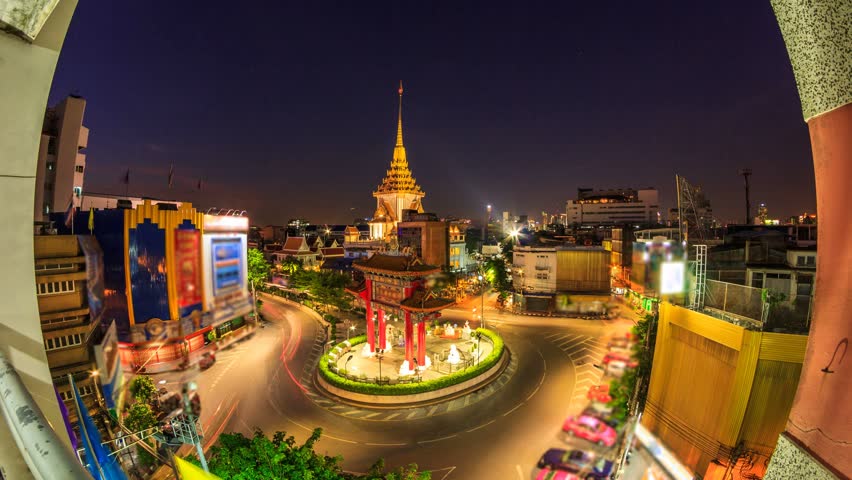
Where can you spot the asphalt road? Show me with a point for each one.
(497, 433)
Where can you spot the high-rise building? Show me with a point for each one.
(398, 191)
(61, 160)
(621, 206)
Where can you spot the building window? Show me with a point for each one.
(541, 276)
(780, 276)
(78, 169)
(50, 288)
(78, 191)
(757, 279)
(64, 341)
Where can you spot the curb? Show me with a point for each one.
(504, 363)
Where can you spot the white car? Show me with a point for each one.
(616, 368)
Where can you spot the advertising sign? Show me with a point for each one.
(110, 374)
(94, 275)
(147, 260)
(672, 277)
(227, 269)
(188, 270)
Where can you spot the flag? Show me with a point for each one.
(200, 184)
(171, 175)
(68, 427)
(69, 213)
(189, 471)
(126, 179)
(91, 220)
(101, 464)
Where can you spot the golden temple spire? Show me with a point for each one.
(399, 123)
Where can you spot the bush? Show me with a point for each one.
(412, 388)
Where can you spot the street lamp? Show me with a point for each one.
(482, 309)
(380, 352)
(346, 365)
(95, 374)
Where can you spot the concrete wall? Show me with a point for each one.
(26, 72)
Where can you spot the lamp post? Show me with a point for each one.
(482, 303)
(95, 375)
(380, 353)
(346, 365)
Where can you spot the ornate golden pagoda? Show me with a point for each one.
(398, 191)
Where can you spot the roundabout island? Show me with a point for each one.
(390, 365)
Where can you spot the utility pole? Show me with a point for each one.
(746, 172)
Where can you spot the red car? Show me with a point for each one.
(591, 428)
(599, 393)
(620, 357)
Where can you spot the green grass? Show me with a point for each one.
(411, 388)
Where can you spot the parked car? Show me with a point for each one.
(207, 360)
(620, 357)
(584, 465)
(620, 344)
(603, 416)
(591, 428)
(547, 474)
(616, 368)
(599, 393)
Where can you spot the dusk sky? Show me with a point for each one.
(289, 109)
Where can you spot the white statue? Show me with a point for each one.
(405, 369)
(449, 331)
(466, 331)
(366, 352)
(453, 357)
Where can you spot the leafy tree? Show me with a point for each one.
(258, 267)
(238, 457)
(323, 287)
(290, 265)
(142, 388)
(496, 272)
(141, 417)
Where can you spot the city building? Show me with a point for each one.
(273, 234)
(61, 163)
(103, 201)
(297, 248)
(459, 259)
(621, 254)
(720, 393)
(542, 277)
(621, 206)
(425, 236)
(164, 315)
(398, 191)
(69, 291)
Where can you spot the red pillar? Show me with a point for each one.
(382, 329)
(371, 332)
(409, 339)
(421, 343)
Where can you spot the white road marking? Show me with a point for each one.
(520, 473)
(325, 435)
(481, 426)
(386, 444)
(515, 408)
(438, 439)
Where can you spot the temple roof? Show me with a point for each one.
(402, 265)
(425, 301)
(399, 178)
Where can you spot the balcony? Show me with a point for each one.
(545, 268)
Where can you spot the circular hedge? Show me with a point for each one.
(416, 387)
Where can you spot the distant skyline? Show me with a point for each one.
(290, 110)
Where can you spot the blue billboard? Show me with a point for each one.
(147, 261)
(227, 269)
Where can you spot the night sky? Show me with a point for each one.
(289, 110)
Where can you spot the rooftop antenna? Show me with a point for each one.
(746, 172)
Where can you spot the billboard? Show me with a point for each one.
(225, 275)
(110, 373)
(227, 266)
(94, 275)
(148, 287)
(672, 277)
(188, 270)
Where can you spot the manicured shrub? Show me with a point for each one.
(417, 387)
